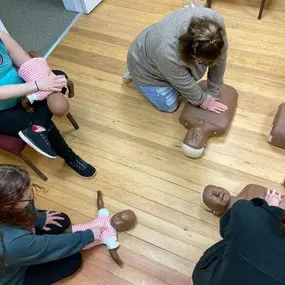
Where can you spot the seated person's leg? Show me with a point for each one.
(163, 98)
(54, 271)
(61, 148)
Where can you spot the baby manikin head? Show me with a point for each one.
(58, 104)
(215, 199)
(124, 221)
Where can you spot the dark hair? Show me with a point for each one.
(14, 181)
(204, 38)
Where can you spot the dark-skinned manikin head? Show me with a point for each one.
(216, 199)
(124, 221)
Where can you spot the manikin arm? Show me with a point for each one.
(115, 256)
(100, 202)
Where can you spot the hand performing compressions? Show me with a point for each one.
(273, 198)
(211, 103)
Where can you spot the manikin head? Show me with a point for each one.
(216, 199)
(58, 104)
(194, 142)
(124, 221)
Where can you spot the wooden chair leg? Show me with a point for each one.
(261, 9)
(209, 3)
(72, 121)
(35, 169)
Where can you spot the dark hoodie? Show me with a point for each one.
(252, 251)
(24, 248)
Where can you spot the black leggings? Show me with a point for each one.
(54, 271)
(16, 119)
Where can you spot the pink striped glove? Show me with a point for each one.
(97, 231)
(32, 70)
(212, 105)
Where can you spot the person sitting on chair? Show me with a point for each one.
(35, 128)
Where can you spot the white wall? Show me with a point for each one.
(2, 27)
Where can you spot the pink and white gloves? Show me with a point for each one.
(211, 103)
(32, 70)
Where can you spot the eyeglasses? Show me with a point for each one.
(30, 199)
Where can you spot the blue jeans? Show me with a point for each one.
(163, 98)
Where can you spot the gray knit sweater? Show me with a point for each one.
(153, 58)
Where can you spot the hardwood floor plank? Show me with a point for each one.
(137, 149)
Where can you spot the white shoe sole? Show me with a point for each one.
(127, 80)
(28, 142)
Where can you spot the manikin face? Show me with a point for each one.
(217, 199)
(124, 220)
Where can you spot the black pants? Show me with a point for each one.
(16, 119)
(54, 271)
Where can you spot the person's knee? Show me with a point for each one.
(167, 99)
(76, 262)
(65, 223)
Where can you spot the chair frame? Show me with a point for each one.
(262, 5)
(30, 163)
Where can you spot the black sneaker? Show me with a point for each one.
(84, 169)
(36, 137)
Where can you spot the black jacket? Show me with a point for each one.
(252, 251)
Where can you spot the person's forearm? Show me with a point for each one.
(216, 75)
(17, 90)
(29, 249)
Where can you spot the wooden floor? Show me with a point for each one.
(137, 149)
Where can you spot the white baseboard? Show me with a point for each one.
(62, 36)
(2, 28)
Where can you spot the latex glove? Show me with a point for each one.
(273, 198)
(212, 105)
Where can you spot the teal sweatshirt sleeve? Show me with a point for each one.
(41, 216)
(26, 248)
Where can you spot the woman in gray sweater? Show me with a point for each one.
(34, 248)
(169, 57)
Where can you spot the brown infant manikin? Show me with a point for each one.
(203, 124)
(218, 200)
(277, 133)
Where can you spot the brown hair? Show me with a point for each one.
(14, 181)
(204, 38)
